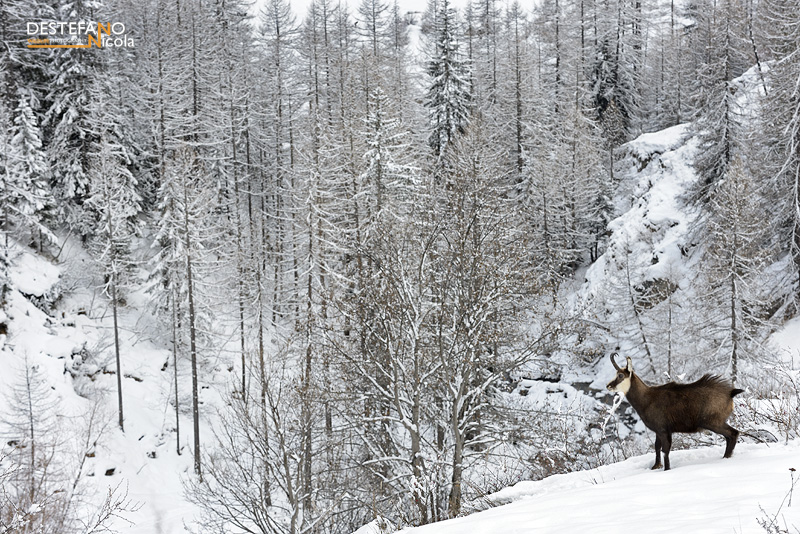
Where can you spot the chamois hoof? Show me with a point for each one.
(656, 466)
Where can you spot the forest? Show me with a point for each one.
(375, 221)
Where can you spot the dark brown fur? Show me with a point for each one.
(704, 404)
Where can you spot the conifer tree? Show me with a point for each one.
(448, 96)
(612, 91)
(782, 128)
(736, 255)
(389, 173)
(185, 226)
(114, 205)
(26, 193)
(31, 424)
(719, 119)
(516, 73)
(279, 32)
(616, 69)
(70, 130)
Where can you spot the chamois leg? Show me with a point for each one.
(666, 444)
(729, 433)
(730, 441)
(657, 465)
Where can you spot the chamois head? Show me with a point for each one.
(622, 381)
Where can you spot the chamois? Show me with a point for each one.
(704, 404)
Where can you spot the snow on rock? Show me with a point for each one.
(31, 274)
(702, 493)
(650, 237)
(647, 145)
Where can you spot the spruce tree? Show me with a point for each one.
(448, 97)
(26, 195)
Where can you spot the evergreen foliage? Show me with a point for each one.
(448, 97)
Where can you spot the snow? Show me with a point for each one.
(76, 338)
(379, 526)
(702, 493)
(650, 236)
(787, 342)
(32, 275)
(659, 142)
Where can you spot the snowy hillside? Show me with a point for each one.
(650, 241)
(703, 493)
(60, 327)
(66, 353)
(661, 291)
(287, 269)
(341, 356)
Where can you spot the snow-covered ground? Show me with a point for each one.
(701, 494)
(70, 349)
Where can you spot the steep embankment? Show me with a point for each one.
(58, 344)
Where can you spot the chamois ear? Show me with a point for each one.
(629, 367)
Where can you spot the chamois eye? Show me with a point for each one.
(620, 376)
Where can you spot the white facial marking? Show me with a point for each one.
(624, 386)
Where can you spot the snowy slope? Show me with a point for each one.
(646, 290)
(650, 243)
(701, 494)
(652, 252)
(71, 349)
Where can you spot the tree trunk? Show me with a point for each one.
(192, 334)
(734, 332)
(175, 371)
(116, 347)
(454, 502)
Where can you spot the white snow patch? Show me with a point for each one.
(379, 526)
(658, 142)
(787, 342)
(31, 274)
(702, 493)
(76, 339)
